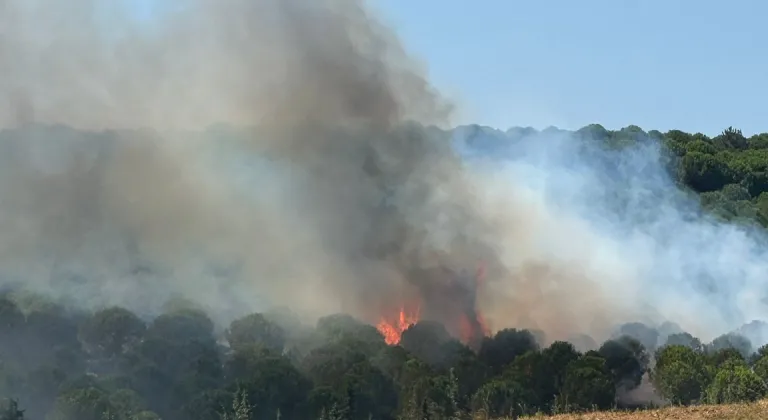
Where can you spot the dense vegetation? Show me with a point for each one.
(111, 364)
(729, 171)
(62, 363)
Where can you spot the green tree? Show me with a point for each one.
(760, 368)
(468, 370)
(502, 398)
(758, 141)
(271, 382)
(181, 326)
(647, 336)
(559, 355)
(145, 415)
(51, 335)
(594, 132)
(680, 374)
(427, 341)
(626, 359)
(704, 172)
(500, 350)
(110, 332)
(207, 405)
(255, 329)
(177, 360)
(11, 317)
(241, 407)
(735, 192)
(42, 385)
(735, 383)
(731, 138)
(534, 371)
(700, 146)
(677, 136)
(731, 341)
(588, 383)
(685, 339)
(81, 404)
(126, 404)
(370, 394)
(344, 328)
(391, 361)
(346, 377)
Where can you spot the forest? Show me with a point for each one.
(58, 361)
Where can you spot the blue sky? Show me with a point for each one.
(696, 65)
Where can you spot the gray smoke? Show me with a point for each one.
(309, 205)
(327, 195)
(613, 228)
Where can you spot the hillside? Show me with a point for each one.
(191, 360)
(729, 170)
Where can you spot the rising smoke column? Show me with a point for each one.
(329, 201)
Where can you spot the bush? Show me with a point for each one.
(680, 374)
(761, 368)
(735, 383)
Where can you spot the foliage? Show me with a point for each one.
(501, 349)
(685, 339)
(626, 359)
(732, 341)
(111, 331)
(588, 384)
(500, 397)
(81, 404)
(255, 329)
(735, 383)
(729, 170)
(680, 374)
(760, 367)
(173, 368)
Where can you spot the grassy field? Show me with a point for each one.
(753, 411)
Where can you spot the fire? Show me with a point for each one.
(446, 297)
(393, 329)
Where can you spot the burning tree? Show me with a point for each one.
(445, 296)
(444, 292)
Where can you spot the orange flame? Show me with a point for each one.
(392, 330)
(469, 325)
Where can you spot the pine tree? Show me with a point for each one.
(241, 407)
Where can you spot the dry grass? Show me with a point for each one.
(754, 411)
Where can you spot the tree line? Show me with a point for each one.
(112, 364)
(728, 171)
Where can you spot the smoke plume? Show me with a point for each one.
(246, 154)
(154, 201)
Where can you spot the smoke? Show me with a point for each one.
(153, 201)
(327, 196)
(609, 233)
